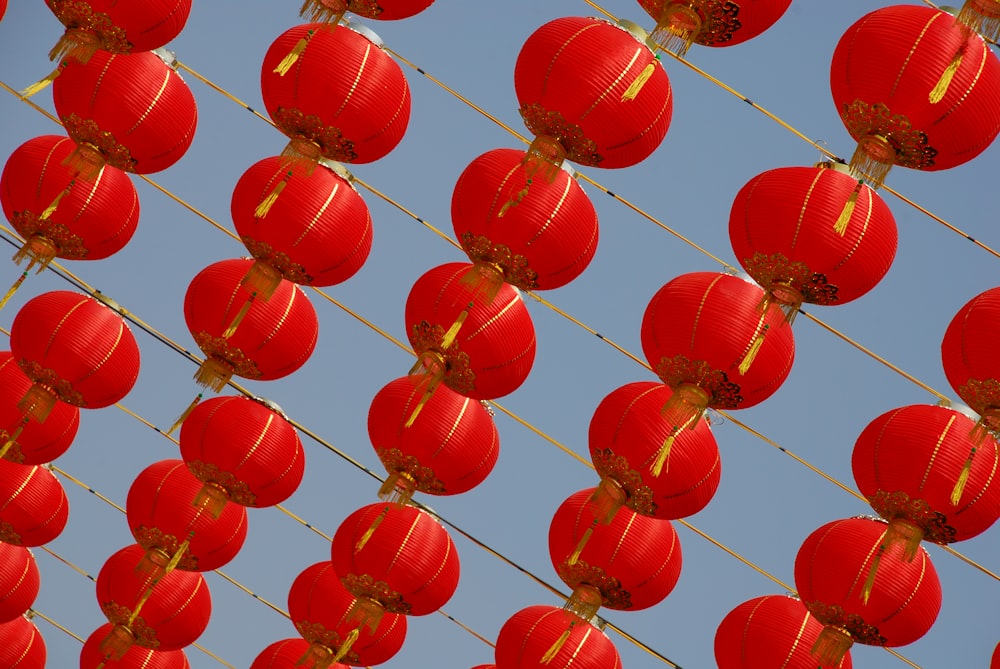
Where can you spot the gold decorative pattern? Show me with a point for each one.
(317, 633)
(364, 585)
(8, 535)
(119, 615)
(984, 398)
(723, 393)
(831, 614)
(237, 490)
(86, 131)
(69, 245)
(614, 596)
(154, 537)
(516, 270)
(79, 15)
(579, 148)
(13, 453)
(280, 261)
(776, 269)
(910, 144)
(423, 477)
(298, 125)
(458, 376)
(617, 467)
(898, 504)
(46, 377)
(220, 349)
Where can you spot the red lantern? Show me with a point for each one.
(995, 661)
(74, 349)
(243, 451)
(19, 581)
(285, 654)
(591, 92)
(541, 234)
(479, 348)
(450, 448)
(643, 462)
(398, 556)
(335, 92)
(25, 441)
(133, 112)
(629, 564)
(896, 609)
(812, 234)
(158, 611)
(970, 363)
(770, 631)
(136, 657)
(59, 214)
(330, 11)
(33, 505)
(914, 463)
(318, 233)
(175, 532)
(3, 8)
(21, 645)
(260, 340)
(333, 622)
(679, 23)
(915, 88)
(536, 638)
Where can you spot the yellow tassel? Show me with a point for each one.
(754, 349)
(265, 206)
(214, 373)
(176, 558)
(322, 11)
(185, 414)
(12, 438)
(963, 478)
(663, 456)
(41, 83)
(286, 63)
(240, 315)
(544, 158)
(211, 498)
(514, 201)
(371, 529)
(941, 87)
(485, 279)
(13, 289)
(983, 17)
(37, 402)
(574, 557)
(554, 649)
(872, 160)
(449, 336)
(633, 90)
(432, 364)
(866, 589)
(677, 28)
(51, 209)
(831, 645)
(345, 646)
(840, 227)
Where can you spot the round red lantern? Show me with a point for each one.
(646, 464)
(812, 234)
(479, 348)
(19, 581)
(60, 215)
(915, 88)
(25, 441)
(285, 654)
(536, 638)
(895, 609)
(330, 11)
(592, 92)
(335, 92)
(317, 233)
(3, 8)
(539, 234)
(260, 340)
(450, 448)
(34, 508)
(995, 661)
(131, 111)
(336, 625)
(174, 531)
(922, 472)
(75, 349)
(970, 363)
(680, 23)
(21, 645)
(398, 556)
(243, 451)
(769, 631)
(136, 657)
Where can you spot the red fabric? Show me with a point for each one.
(248, 449)
(995, 661)
(895, 56)
(161, 515)
(769, 631)
(494, 350)
(321, 610)
(19, 581)
(21, 645)
(146, 25)
(792, 211)
(135, 657)
(449, 449)
(968, 353)
(627, 431)
(748, 18)
(830, 570)
(570, 78)
(38, 443)
(634, 561)
(33, 505)
(530, 633)
(409, 564)
(318, 232)
(285, 654)
(343, 92)
(92, 220)
(919, 451)
(546, 236)
(176, 612)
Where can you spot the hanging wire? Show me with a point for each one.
(35, 613)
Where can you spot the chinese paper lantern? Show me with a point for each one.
(243, 451)
(707, 336)
(995, 661)
(547, 637)
(136, 657)
(74, 349)
(174, 531)
(450, 448)
(769, 631)
(158, 611)
(629, 564)
(19, 581)
(914, 88)
(330, 11)
(25, 441)
(680, 23)
(922, 472)
(285, 654)
(591, 92)
(58, 213)
(254, 339)
(644, 463)
(398, 556)
(317, 233)
(131, 111)
(33, 505)
(335, 92)
(21, 645)
(334, 625)
(3, 8)
(970, 362)
(896, 609)
(540, 234)
(812, 234)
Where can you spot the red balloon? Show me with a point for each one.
(117, 27)
(285, 654)
(21, 645)
(382, 10)
(532, 633)
(969, 359)
(711, 22)
(34, 510)
(31, 442)
(136, 657)
(19, 581)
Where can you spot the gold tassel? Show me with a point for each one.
(371, 529)
(12, 438)
(176, 558)
(677, 28)
(514, 201)
(240, 315)
(449, 336)
(607, 498)
(574, 557)
(345, 645)
(212, 498)
(187, 412)
(544, 158)
(866, 589)
(751, 355)
(39, 250)
(432, 364)
(37, 402)
(633, 90)
(317, 656)
(76, 44)
(367, 612)
(662, 457)
(51, 209)
(980, 432)
(41, 83)
(840, 227)
(963, 478)
(13, 289)
(265, 206)
(398, 488)
(554, 649)
(941, 87)
(484, 279)
(214, 374)
(983, 17)
(286, 63)
(831, 645)
(872, 160)
(323, 11)
(903, 531)
(686, 406)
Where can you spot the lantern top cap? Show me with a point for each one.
(352, 23)
(638, 32)
(167, 56)
(270, 404)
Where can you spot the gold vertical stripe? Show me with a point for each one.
(88, 198)
(701, 306)
(559, 51)
(621, 537)
(357, 78)
(746, 629)
(798, 639)
(865, 564)
(497, 316)
(805, 205)
(613, 84)
(554, 213)
(984, 56)
(319, 214)
(913, 50)
(100, 80)
(870, 201)
(20, 488)
(62, 321)
(500, 188)
(934, 453)
(258, 442)
(453, 428)
(406, 540)
(108, 355)
(156, 98)
(293, 293)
